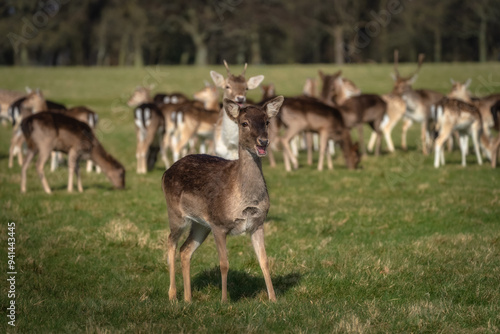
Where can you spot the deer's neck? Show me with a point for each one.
(102, 158)
(212, 104)
(249, 169)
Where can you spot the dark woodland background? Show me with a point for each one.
(133, 32)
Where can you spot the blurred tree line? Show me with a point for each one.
(133, 32)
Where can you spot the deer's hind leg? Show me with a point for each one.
(197, 235)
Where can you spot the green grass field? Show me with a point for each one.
(396, 246)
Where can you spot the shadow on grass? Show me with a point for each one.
(242, 285)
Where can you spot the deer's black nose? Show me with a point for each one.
(263, 142)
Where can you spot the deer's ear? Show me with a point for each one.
(467, 83)
(218, 79)
(232, 109)
(394, 76)
(452, 81)
(254, 82)
(321, 74)
(273, 106)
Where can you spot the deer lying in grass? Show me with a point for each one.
(418, 102)
(451, 115)
(307, 114)
(208, 193)
(235, 88)
(495, 145)
(356, 108)
(34, 102)
(48, 131)
(149, 122)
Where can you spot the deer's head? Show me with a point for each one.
(139, 96)
(253, 123)
(328, 90)
(403, 85)
(35, 101)
(209, 93)
(268, 91)
(235, 86)
(460, 91)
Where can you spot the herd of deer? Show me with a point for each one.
(226, 193)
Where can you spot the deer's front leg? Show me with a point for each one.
(260, 251)
(220, 241)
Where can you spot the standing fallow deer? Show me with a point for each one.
(356, 108)
(308, 114)
(83, 114)
(235, 88)
(228, 197)
(197, 120)
(455, 115)
(495, 145)
(47, 131)
(149, 122)
(460, 91)
(34, 102)
(8, 97)
(418, 102)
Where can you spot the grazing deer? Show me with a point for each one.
(451, 115)
(83, 114)
(495, 145)
(34, 102)
(418, 102)
(235, 88)
(307, 114)
(47, 131)
(208, 193)
(149, 122)
(356, 108)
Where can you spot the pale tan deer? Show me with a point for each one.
(207, 193)
(455, 115)
(34, 102)
(235, 88)
(149, 122)
(418, 102)
(47, 131)
(308, 114)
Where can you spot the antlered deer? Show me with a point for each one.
(418, 102)
(235, 88)
(47, 131)
(208, 193)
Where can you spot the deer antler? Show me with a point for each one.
(421, 57)
(244, 70)
(396, 59)
(227, 67)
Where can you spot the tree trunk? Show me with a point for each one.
(437, 45)
(138, 58)
(201, 56)
(338, 44)
(256, 57)
(122, 56)
(483, 48)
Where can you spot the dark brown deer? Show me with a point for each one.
(418, 102)
(235, 88)
(207, 193)
(307, 114)
(357, 109)
(48, 131)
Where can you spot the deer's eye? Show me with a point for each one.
(244, 124)
(267, 122)
(227, 87)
